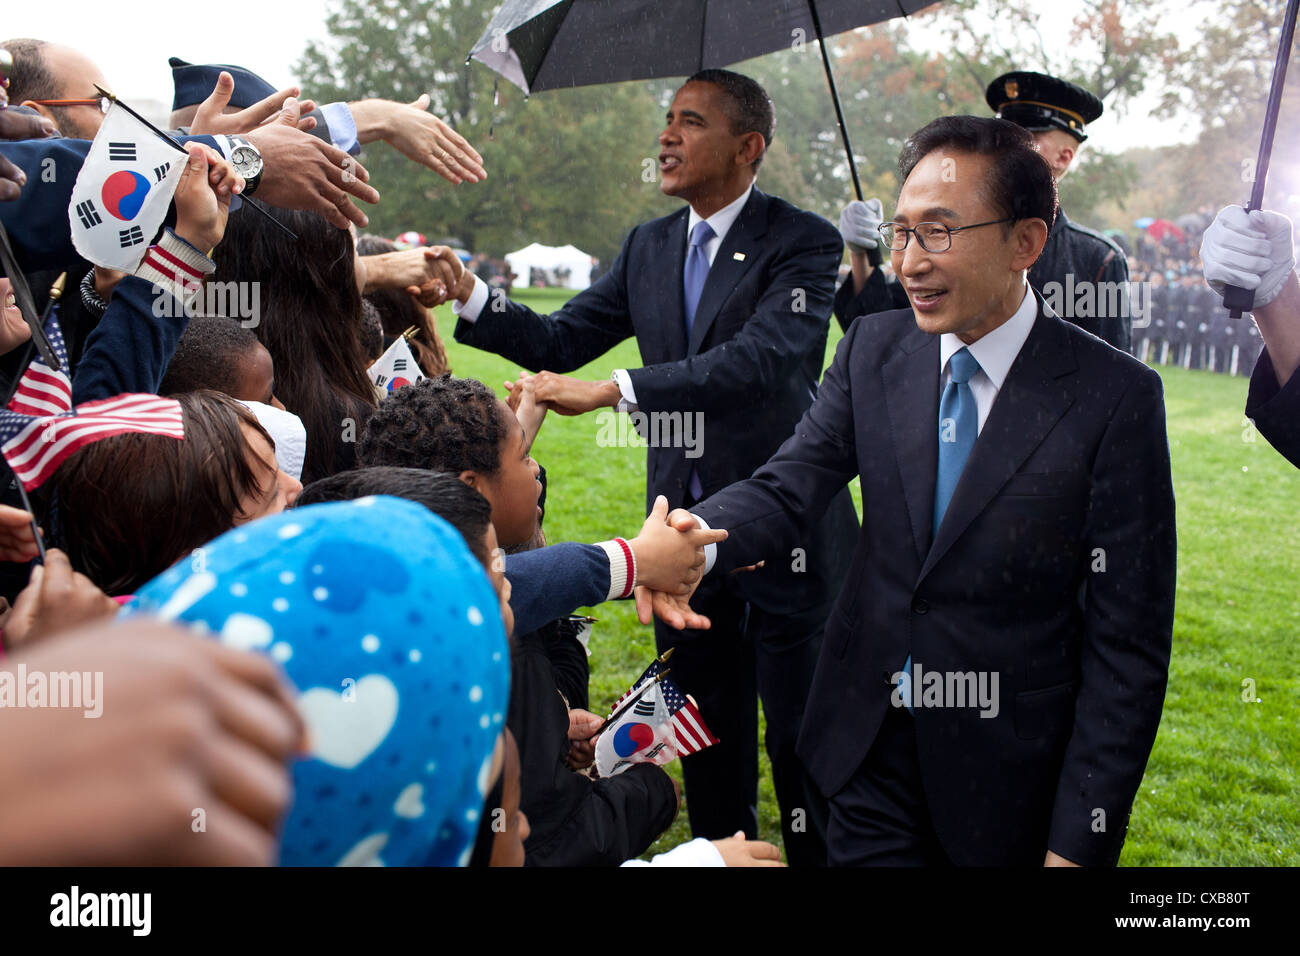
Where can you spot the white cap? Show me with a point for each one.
(287, 431)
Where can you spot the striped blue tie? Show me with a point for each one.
(697, 271)
(958, 427)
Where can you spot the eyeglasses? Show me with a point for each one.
(103, 102)
(933, 236)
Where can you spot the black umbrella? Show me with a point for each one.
(1235, 299)
(555, 44)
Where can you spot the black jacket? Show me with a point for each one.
(1071, 469)
(750, 367)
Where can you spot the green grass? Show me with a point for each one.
(1220, 788)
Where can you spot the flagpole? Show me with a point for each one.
(23, 297)
(177, 144)
(27, 505)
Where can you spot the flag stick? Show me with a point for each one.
(26, 304)
(22, 493)
(177, 144)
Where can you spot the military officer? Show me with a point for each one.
(1057, 113)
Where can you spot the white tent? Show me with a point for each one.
(550, 259)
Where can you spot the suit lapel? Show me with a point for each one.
(1029, 404)
(912, 403)
(670, 249)
(734, 257)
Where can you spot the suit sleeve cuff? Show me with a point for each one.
(176, 267)
(622, 568)
(710, 550)
(343, 126)
(473, 307)
(628, 402)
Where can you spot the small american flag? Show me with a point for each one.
(689, 730)
(688, 725)
(36, 445)
(41, 390)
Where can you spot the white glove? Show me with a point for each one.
(860, 224)
(1249, 250)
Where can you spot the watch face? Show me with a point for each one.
(246, 161)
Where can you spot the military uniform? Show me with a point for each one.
(1074, 255)
(1090, 257)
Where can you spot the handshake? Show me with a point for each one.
(669, 555)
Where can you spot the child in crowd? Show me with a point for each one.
(127, 507)
(386, 625)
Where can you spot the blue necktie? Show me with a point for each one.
(958, 428)
(697, 271)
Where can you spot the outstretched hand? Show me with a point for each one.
(573, 396)
(523, 402)
(670, 558)
(673, 609)
(419, 135)
(303, 172)
(211, 117)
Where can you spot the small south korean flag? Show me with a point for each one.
(123, 191)
(395, 368)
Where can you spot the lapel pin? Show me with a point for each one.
(738, 256)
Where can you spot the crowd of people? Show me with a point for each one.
(1184, 322)
(323, 619)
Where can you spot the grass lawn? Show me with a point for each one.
(1220, 788)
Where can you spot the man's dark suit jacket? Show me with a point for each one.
(1275, 409)
(1070, 470)
(751, 365)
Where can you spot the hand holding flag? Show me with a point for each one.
(123, 190)
(654, 722)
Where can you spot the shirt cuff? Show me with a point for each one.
(473, 306)
(176, 267)
(622, 568)
(698, 852)
(343, 126)
(710, 550)
(628, 402)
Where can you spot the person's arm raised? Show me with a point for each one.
(420, 136)
(303, 172)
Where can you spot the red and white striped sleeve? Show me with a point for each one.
(622, 568)
(176, 267)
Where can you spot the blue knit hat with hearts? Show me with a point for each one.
(391, 632)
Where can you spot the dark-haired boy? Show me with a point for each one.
(218, 353)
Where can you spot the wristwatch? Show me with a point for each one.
(247, 161)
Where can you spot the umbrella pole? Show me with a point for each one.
(1238, 300)
(873, 255)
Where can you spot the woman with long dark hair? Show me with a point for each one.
(308, 297)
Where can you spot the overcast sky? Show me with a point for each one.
(133, 51)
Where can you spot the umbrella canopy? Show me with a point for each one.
(554, 44)
(1160, 228)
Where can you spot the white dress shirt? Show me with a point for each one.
(720, 222)
(995, 353)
